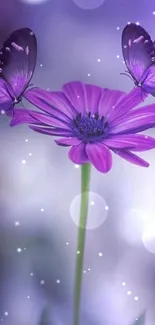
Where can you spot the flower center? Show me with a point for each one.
(90, 128)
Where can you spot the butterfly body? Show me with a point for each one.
(138, 84)
(17, 63)
(139, 56)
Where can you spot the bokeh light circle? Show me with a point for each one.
(34, 2)
(148, 238)
(132, 224)
(88, 4)
(97, 210)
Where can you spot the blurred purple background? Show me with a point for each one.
(77, 39)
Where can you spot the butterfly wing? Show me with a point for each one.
(138, 51)
(18, 60)
(149, 81)
(6, 102)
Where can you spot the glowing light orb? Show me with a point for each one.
(42, 282)
(88, 4)
(148, 238)
(97, 210)
(19, 250)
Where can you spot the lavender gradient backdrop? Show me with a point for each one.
(38, 182)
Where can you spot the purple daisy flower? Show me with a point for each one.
(94, 121)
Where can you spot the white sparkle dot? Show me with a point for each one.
(137, 318)
(88, 74)
(123, 284)
(58, 281)
(17, 223)
(100, 254)
(6, 313)
(118, 28)
(137, 23)
(128, 23)
(48, 89)
(26, 140)
(123, 62)
(24, 248)
(42, 282)
(19, 250)
(98, 60)
(31, 273)
(129, 292)
(2, 112)
(78, 252)
(23, 161)
(89, 269)
(28, 297)
(117, 56)
(41, 65)
(77, 166)
(84, 271)
(106, 208)
(153, 12)
(136, 298)
(42, 210)
(92, 202)
(67, 243)
(30, 154)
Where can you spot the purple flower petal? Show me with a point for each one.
(135, 121)
(78, 154)
(21, 116)
(49, 120)
(132, 158)
(51, 131)
(118, 143)
(136, 112)
(76, 94)
(100, 156)
(109, 99)
(135, 142)
(92, 98)
(68, 141)
(52, 102)
(129, 101)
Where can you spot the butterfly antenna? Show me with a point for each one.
(127, 71)
(30, 85)
(125, 74)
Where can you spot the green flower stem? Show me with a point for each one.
(85, 182)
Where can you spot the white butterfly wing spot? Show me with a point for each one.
(137, 40)
(17, 47)
(27, 50)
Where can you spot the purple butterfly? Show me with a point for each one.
(139, 56)
(17, 64)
